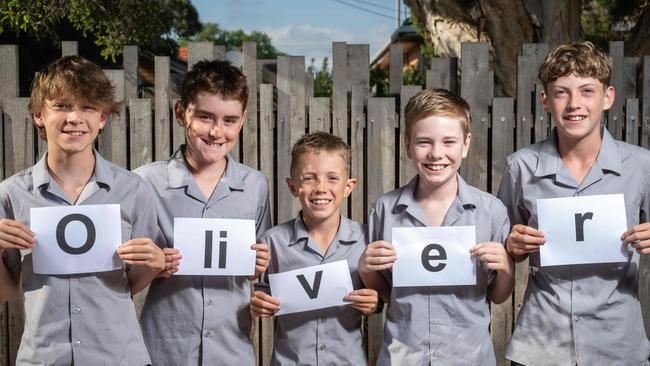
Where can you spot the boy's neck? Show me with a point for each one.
(323, 231)
(71, 171)
(206, 175)
(579, 156)
(436, 200)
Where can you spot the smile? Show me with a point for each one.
(576, 118)
(320, 201)
(214, 144)
(435, 167)
(74, 133)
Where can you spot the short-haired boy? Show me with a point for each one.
(82, 319)
(438, 325)
(580, 314)
(318, 235)
(205, 320)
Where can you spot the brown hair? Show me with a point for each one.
(317, 142)
(435, 102)
(215, 77)
(76, 78)
(580, 58)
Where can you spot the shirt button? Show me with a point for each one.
(76, 310)
(322, 347)
(208, 334)
(577, 319)
(209, 302)
(78, 343)
(434, 321)
(435, 354)
(578, 288)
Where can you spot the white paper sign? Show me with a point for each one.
(434, 256)
(215, 247)
(76, 239)
(580, 230)
(311, 288)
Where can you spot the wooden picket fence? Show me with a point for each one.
(279, 114)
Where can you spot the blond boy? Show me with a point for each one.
(438, 325)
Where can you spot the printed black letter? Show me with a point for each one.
(312, 292)
(90, 233)
(427, 257)
(580, 223)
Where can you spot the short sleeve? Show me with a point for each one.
(510, 194)
(263, 219)
(144, 216)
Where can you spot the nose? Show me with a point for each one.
(436, 151)
(215, 131)
(574, 101)
(73, 116)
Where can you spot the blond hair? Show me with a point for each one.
(436, 102)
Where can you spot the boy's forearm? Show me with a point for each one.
(376, 282)
(9, 283)
(139, 278)
(501, 287)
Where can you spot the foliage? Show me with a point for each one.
(111, 23)
(426, 48)
(210, 32)
(411, 76)
(608, 20)
(322, 78)
(379, 82)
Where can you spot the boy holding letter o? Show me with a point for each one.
(438, 325)
(194, 320)
(320, 234)
(586, 314)
(81, 319)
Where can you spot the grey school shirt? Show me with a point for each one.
(84, 319)
(444, 325)
(201, 320)
(589, 314)
(330, 336)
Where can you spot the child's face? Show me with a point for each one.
(320, 181)
(211, 125)
(71, 126)
(436, 148)
(576, 105)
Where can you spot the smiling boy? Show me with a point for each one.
(320, 234)
(205, 320)
(438, 325)
(81, 319)
(582, 314)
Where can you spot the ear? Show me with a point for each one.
(349, 187)
(244, 118)
(180, 113)
(103, 119)
(466, 144)
(544, 97)
(293, 187)
(38, 119)
(407, 146)
(610, 95)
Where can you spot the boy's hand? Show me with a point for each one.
(365, 300)
(262, 257)
(524, 240)
(142, 252)
(494, 256)
(16, 235)
(378, 255)
(638, 236)
(172, 261)
(264, 305)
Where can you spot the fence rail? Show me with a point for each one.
(279, 113)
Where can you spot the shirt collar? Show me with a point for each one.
(346, 234)
(178, 173)
(102, 174)
(406, 201)
(550, 162)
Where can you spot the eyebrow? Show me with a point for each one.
(203, 111)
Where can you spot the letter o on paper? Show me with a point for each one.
(90, 236)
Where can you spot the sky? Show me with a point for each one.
(307, 27)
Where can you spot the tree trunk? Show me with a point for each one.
(504, 24)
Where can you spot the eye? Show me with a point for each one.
(559, 93)
(205, 118)
(588, 91)
(333, 179)
(89, 108)
(308, 180)
(230, 121)
(450, 142)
